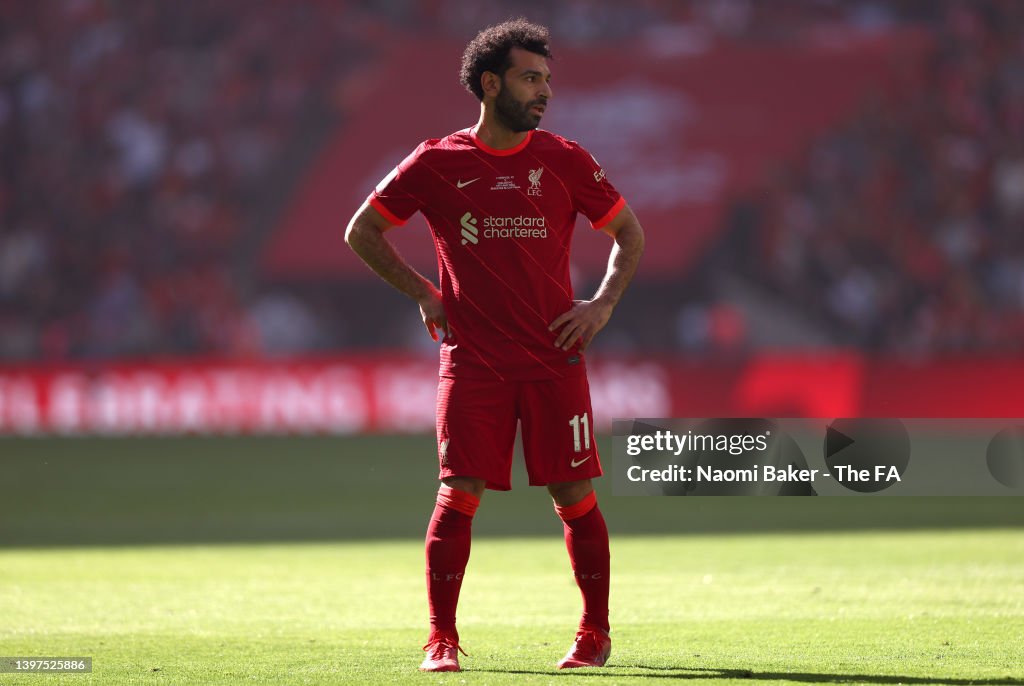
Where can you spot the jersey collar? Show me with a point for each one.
(500, 153)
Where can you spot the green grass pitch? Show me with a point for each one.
(866, 608)
(235, 561)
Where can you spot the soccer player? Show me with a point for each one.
(501, 200)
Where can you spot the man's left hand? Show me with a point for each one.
(581, 323)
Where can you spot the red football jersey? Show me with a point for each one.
(502, 222)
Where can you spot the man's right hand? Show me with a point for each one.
(432, 311)
(365, 235)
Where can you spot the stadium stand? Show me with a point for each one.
(170, 178)
(900, 230)
(140, 146)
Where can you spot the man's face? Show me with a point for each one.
(525, 90)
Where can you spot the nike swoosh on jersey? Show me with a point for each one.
(574, 464)
(462, 184)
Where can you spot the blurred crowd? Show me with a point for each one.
(903, 229)
(588, 21)
(138, 140)
(147, 147)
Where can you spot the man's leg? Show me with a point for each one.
(586, 538)
(447, 552)
(561, 453)
(476, 431)
(447, 548)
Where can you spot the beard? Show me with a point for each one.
(514, 115)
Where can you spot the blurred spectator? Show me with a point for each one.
(718, 327)
(285, 325)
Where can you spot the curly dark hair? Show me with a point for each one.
(489, 51)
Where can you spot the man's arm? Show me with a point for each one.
(365, 235)
(587, 317)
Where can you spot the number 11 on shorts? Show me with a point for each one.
(575, 423)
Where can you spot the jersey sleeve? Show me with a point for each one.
(396, 196)
(593, 194)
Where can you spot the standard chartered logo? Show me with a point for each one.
(502, 227)
(469, 230)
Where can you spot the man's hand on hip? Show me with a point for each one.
(432, 311)
(581, 323)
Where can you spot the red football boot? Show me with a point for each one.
(442, 653)
(591, 649)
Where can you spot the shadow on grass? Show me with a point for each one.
(617, 672)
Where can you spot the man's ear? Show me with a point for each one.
(490, 83)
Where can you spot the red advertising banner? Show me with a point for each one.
(396, 393)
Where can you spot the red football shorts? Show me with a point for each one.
(476, 430)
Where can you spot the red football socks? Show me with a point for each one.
(448, 540)
(586, 538)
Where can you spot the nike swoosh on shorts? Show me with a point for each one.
(574, 464)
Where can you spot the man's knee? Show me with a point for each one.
(467, 484)
(570, 492)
